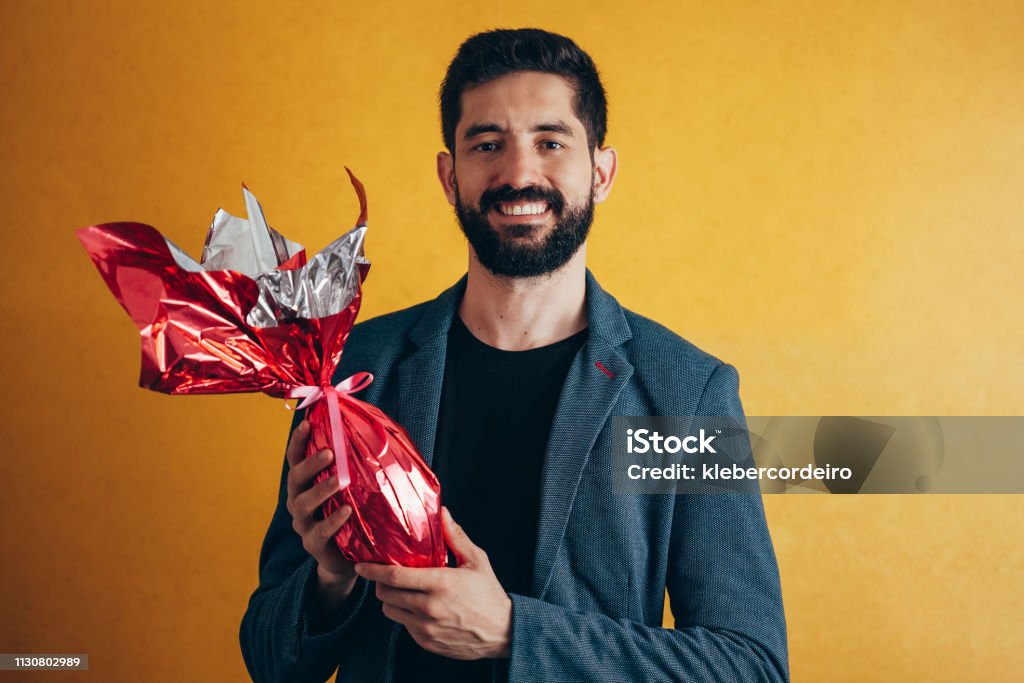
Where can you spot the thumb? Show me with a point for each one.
(466, 552)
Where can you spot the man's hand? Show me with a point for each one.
(336, 575)
(459, 612)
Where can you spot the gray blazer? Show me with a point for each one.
(603, 560)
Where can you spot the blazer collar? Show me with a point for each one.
(437, 318)
(605, 318)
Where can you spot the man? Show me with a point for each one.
(507, 383)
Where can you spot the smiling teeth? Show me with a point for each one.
(523, 210)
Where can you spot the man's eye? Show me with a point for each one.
(551, 144)
(487, 146)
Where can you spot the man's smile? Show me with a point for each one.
(522, 208)
(522, 211)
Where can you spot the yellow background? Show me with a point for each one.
(828, 195)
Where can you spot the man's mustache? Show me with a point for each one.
(531, 193)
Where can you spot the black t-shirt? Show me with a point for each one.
(492, 432)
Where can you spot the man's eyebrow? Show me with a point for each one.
(480, 129)
(559, 127)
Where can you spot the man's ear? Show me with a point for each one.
(606, 164)
(446, 174)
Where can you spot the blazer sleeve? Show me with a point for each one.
(278, 640)
(723, 584)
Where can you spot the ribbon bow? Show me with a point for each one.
(334, 394)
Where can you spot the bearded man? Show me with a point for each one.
(506, 383)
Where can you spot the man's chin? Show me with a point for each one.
(521, 257)
(521, 231)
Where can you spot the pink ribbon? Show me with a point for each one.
(341, 391)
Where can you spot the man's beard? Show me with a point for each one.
(510, 251)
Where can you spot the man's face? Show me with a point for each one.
(523, 181)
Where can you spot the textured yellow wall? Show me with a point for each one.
(827, 195)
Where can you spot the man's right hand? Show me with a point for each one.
(336, 575)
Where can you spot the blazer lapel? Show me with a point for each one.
(421, 375)
(591, 389)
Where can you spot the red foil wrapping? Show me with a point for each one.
(199, 337)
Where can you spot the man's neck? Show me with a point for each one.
(517, 314)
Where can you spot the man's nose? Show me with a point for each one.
(520, 167)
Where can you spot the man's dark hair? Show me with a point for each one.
(492, 54)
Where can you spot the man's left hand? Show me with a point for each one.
(459, 612)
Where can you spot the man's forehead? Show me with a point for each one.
(522, 101)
